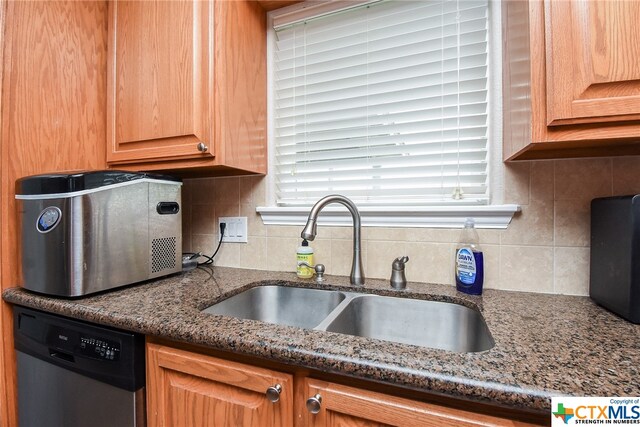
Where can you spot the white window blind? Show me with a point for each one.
(384, 103)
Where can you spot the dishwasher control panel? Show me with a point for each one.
(99, 348)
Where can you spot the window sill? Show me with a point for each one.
(496, 216)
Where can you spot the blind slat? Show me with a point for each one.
(450, 181)
(323, 111)
(391, 91)
(376, 18)
(415, 66)
(449, 35)
(409, 172)
(372, 151)
(386, 128)
(380, 126)
(431, 116)
(445, 36)
(434, 158)
(287, 63)
(382, 156)
(394, 143)
(435, 193)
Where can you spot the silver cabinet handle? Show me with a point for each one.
(202, 147)
(313, 403)
(273, 393)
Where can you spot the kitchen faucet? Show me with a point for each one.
(310, 230)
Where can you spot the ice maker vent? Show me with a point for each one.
(163, 254)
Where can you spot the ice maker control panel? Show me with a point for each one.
(98, 348)
(48, 219)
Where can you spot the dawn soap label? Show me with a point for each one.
(469, 271)
(466, 266)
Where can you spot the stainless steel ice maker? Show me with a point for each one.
(88, 232)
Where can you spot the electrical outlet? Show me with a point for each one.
(236, 229)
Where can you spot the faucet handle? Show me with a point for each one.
(398, 279)
(398, 263)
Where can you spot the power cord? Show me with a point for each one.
(209, 260)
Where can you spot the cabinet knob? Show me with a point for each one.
(202, 148)
(273, 393)
(313, 403)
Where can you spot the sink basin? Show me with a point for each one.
(431, 324)
(283, 305)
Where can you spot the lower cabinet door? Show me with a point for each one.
(339, 405)
(189, 389)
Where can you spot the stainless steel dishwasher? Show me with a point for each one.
(73, 373)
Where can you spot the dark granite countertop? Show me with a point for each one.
(545, 345)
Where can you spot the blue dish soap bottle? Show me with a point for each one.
(469, 262)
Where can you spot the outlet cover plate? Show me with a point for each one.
(236, 229)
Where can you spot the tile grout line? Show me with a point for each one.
(499, 284)
(611, 164)
(553, 261)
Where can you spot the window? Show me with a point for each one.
(385, 102)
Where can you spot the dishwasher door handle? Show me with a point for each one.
(62, 356)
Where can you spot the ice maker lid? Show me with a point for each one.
(81, 181)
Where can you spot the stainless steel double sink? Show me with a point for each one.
(433, 324)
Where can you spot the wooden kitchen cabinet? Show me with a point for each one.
(187, 87)
(53, 60)
(571, 78)
(190, 389)
(347, 406)
(593, 51)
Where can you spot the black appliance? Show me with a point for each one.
(73, 373)
(615, 255)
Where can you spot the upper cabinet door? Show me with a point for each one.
(593, 71)
(159, 80)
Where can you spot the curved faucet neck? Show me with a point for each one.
(335, 198)
(310, 230)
